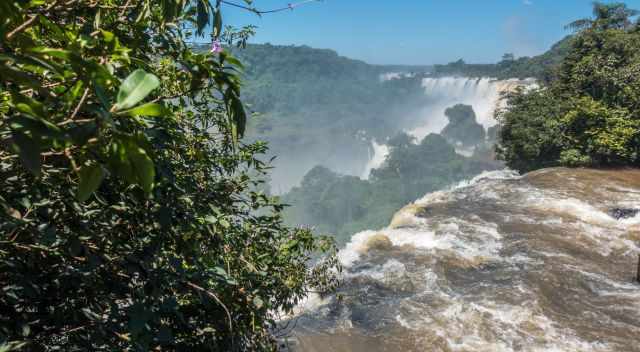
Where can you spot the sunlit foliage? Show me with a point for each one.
(130, 216)
(588, 114)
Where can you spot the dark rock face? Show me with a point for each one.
(623, 213)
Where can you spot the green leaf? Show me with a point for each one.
(80, 134)
(144, 169)
(210, 219)
(16, 76)
(148, 109)
(131, 162)
(101, 94)
(12, 346)
(224, 223)
(217, 24)
(108, 36)
(202, 18)
(35, 127)
(29, 106)
(91, 177)
(233, 61)
(53, 52)
(237, 117)
(29, 151)
(135, 88)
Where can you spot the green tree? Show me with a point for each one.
(508, 58)
(463, 127)
(587, 114)
(606, 16)
(130, 211)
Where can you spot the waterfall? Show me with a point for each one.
(483, 94)
(377, 155)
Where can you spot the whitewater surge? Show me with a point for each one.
(499, 263)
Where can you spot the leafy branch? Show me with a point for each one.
(290, 6)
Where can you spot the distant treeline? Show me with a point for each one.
(540, 67)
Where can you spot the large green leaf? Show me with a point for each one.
(131, 162)
(203, 16)
(135, 88)
(29, 106)
(148, 109)
(91, 177)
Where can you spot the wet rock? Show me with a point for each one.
(623, 213)
(379, 242)
(406, 217)
(288, 344)
(399, 284)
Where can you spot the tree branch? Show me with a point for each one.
(82, 100)
(28, 22)
(212, 295)
(261, 12)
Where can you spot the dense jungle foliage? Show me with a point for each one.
(587, 115)
(541, 67)
(130, 216)
(344, 205)
(307, 96)
(316, 87)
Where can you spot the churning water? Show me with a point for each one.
(501, 263)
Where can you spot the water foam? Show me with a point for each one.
(498, 263)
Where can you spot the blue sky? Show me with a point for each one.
(418, 31)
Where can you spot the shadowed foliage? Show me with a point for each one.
(130, 212)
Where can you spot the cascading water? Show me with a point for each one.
(483, 94)
(501, 263)
(377, 155)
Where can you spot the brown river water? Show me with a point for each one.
(501, 263)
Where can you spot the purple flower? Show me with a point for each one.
(216, 47)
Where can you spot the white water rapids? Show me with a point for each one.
(501, 263)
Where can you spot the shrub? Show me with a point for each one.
(130, 211)
(587, 115)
